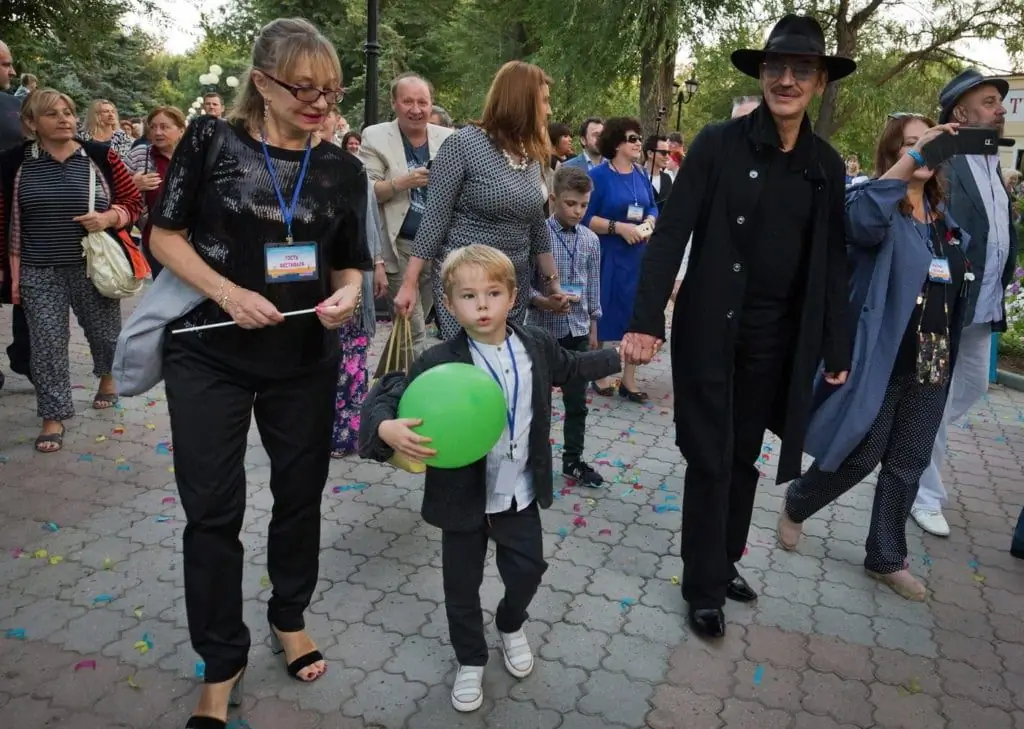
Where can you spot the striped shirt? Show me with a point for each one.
(577, 253)
(50, 195)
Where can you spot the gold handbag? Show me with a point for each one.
(397, 357)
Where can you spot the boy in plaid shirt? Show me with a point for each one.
(573, 322)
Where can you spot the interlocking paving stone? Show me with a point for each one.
(824, 647)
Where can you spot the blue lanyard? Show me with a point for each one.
(929, 227)
(632, 181)
(511, 407)
(287, 212)
(571, 253)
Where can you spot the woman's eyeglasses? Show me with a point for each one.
(634, 138)
(309, 94)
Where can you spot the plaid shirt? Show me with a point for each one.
(577, 253)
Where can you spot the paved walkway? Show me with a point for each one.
(93, 633)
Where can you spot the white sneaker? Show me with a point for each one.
(518, 656)
(932, 521)
(468, 691)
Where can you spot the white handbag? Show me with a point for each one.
(106, 263)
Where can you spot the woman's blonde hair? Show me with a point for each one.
(496, 266)
(38, 103)
(92, 115)
(512, 111)
(278, 49)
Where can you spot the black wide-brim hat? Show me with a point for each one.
(794, 35)
(966, 80)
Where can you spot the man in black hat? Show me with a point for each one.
(762, 306)
(980, 205)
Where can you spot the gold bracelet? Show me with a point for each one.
(226, 298)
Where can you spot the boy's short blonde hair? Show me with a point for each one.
(495, 264)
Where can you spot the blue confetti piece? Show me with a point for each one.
(85, 458)
(162, 449)
(15, 634)
(663, 487)
(662, 508)
(626, 602)
(239, 724)
(147, 640)
(563, 532)
(926, 560)
(671, 497)
(162, 519)
(5, 459)
(556, 496)
(123, 467)
(973, 564)
(758, 675)
(200, 669)
(101, 599)
(50, 526)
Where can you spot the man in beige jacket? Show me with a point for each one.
(397, 156)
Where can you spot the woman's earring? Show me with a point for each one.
(266, 111)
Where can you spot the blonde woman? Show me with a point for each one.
(44, 215)
(486, 186)
(275, 224)
(101, 125)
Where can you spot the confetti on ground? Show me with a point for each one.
(239, 724)
(979, 578)
(85, 664)
(56, 559)
(758, 675)
(17, 552)
(123, 467)
(108, 563)
(120, 460)
(131, 682)
(100, 438)
(40, 554)
(605, 533)
(913, 686)
(350, 487)
(567, 491)
(590, 502)
(85, 458)
(170, 469)
(926, 560)
(563, 532)
(662, 508)
(150, 426)
(15, 634)
(579, 521)
(163, 449)
(674, 579)
(119, 430)
(626, 602)
(137, 612)
(746, 551)
(577, 507)
(638, 487)
(264, 581)
(162, 519)
(4, 459)
(101, 599)
(200, 669)
(168, 500)
(145, 645)
(51, 526)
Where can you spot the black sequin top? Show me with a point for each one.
(232, 214)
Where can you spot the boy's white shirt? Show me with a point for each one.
(514, 478)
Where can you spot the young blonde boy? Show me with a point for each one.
(499, 497)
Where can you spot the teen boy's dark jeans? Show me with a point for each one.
(574, 395)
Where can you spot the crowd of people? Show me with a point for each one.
(851, 315)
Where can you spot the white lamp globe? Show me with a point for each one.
(214, 79)
(232, 82)
(216, 70)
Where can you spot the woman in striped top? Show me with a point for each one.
(44, 214)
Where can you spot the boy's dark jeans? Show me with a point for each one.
(1017, 546)
(574, 395)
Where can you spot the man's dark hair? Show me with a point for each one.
(572, 179)
(213, 95)
(614, 134)
(651, 143)
(675, 138)
(557, 130)
(586, 125)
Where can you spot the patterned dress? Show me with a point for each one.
(475, 196)
(352, 388)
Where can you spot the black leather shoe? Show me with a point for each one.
(739, 590)
(708, 622)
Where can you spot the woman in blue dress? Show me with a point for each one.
(622, 212)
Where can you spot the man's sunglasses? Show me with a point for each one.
(309, 94)
(802, 71)
(634, 138)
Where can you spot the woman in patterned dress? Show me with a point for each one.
(486, 187)
(101, 126)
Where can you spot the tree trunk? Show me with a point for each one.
(658, 51)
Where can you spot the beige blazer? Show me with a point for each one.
(383, 155)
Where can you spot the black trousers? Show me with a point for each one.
(519, 553)
(718, 503)
(574, 395)
(19, 350)
(211, 405)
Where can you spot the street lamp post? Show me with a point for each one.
(684, 96)
(372, 48)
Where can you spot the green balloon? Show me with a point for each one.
(462, 409)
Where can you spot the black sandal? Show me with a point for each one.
(299, 664)
(603, 391)
(105, 400)
(56, 438)
(234, 701)
(637, 397)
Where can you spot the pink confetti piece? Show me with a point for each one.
(85, 664)
(16, 553)
(567, 491)
(605, 533)
(638, 487)
(745, 551)
(168, 500)
(579, 521)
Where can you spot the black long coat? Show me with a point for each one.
(715, 197)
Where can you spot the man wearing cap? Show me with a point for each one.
(763, 303)
(979, 203)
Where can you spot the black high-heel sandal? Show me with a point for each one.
(637, 397)
(301, 663)
(234, 701)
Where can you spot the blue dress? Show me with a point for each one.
(613, 194)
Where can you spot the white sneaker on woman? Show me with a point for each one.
(468, 690)
(932, 521)
(518, 656)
